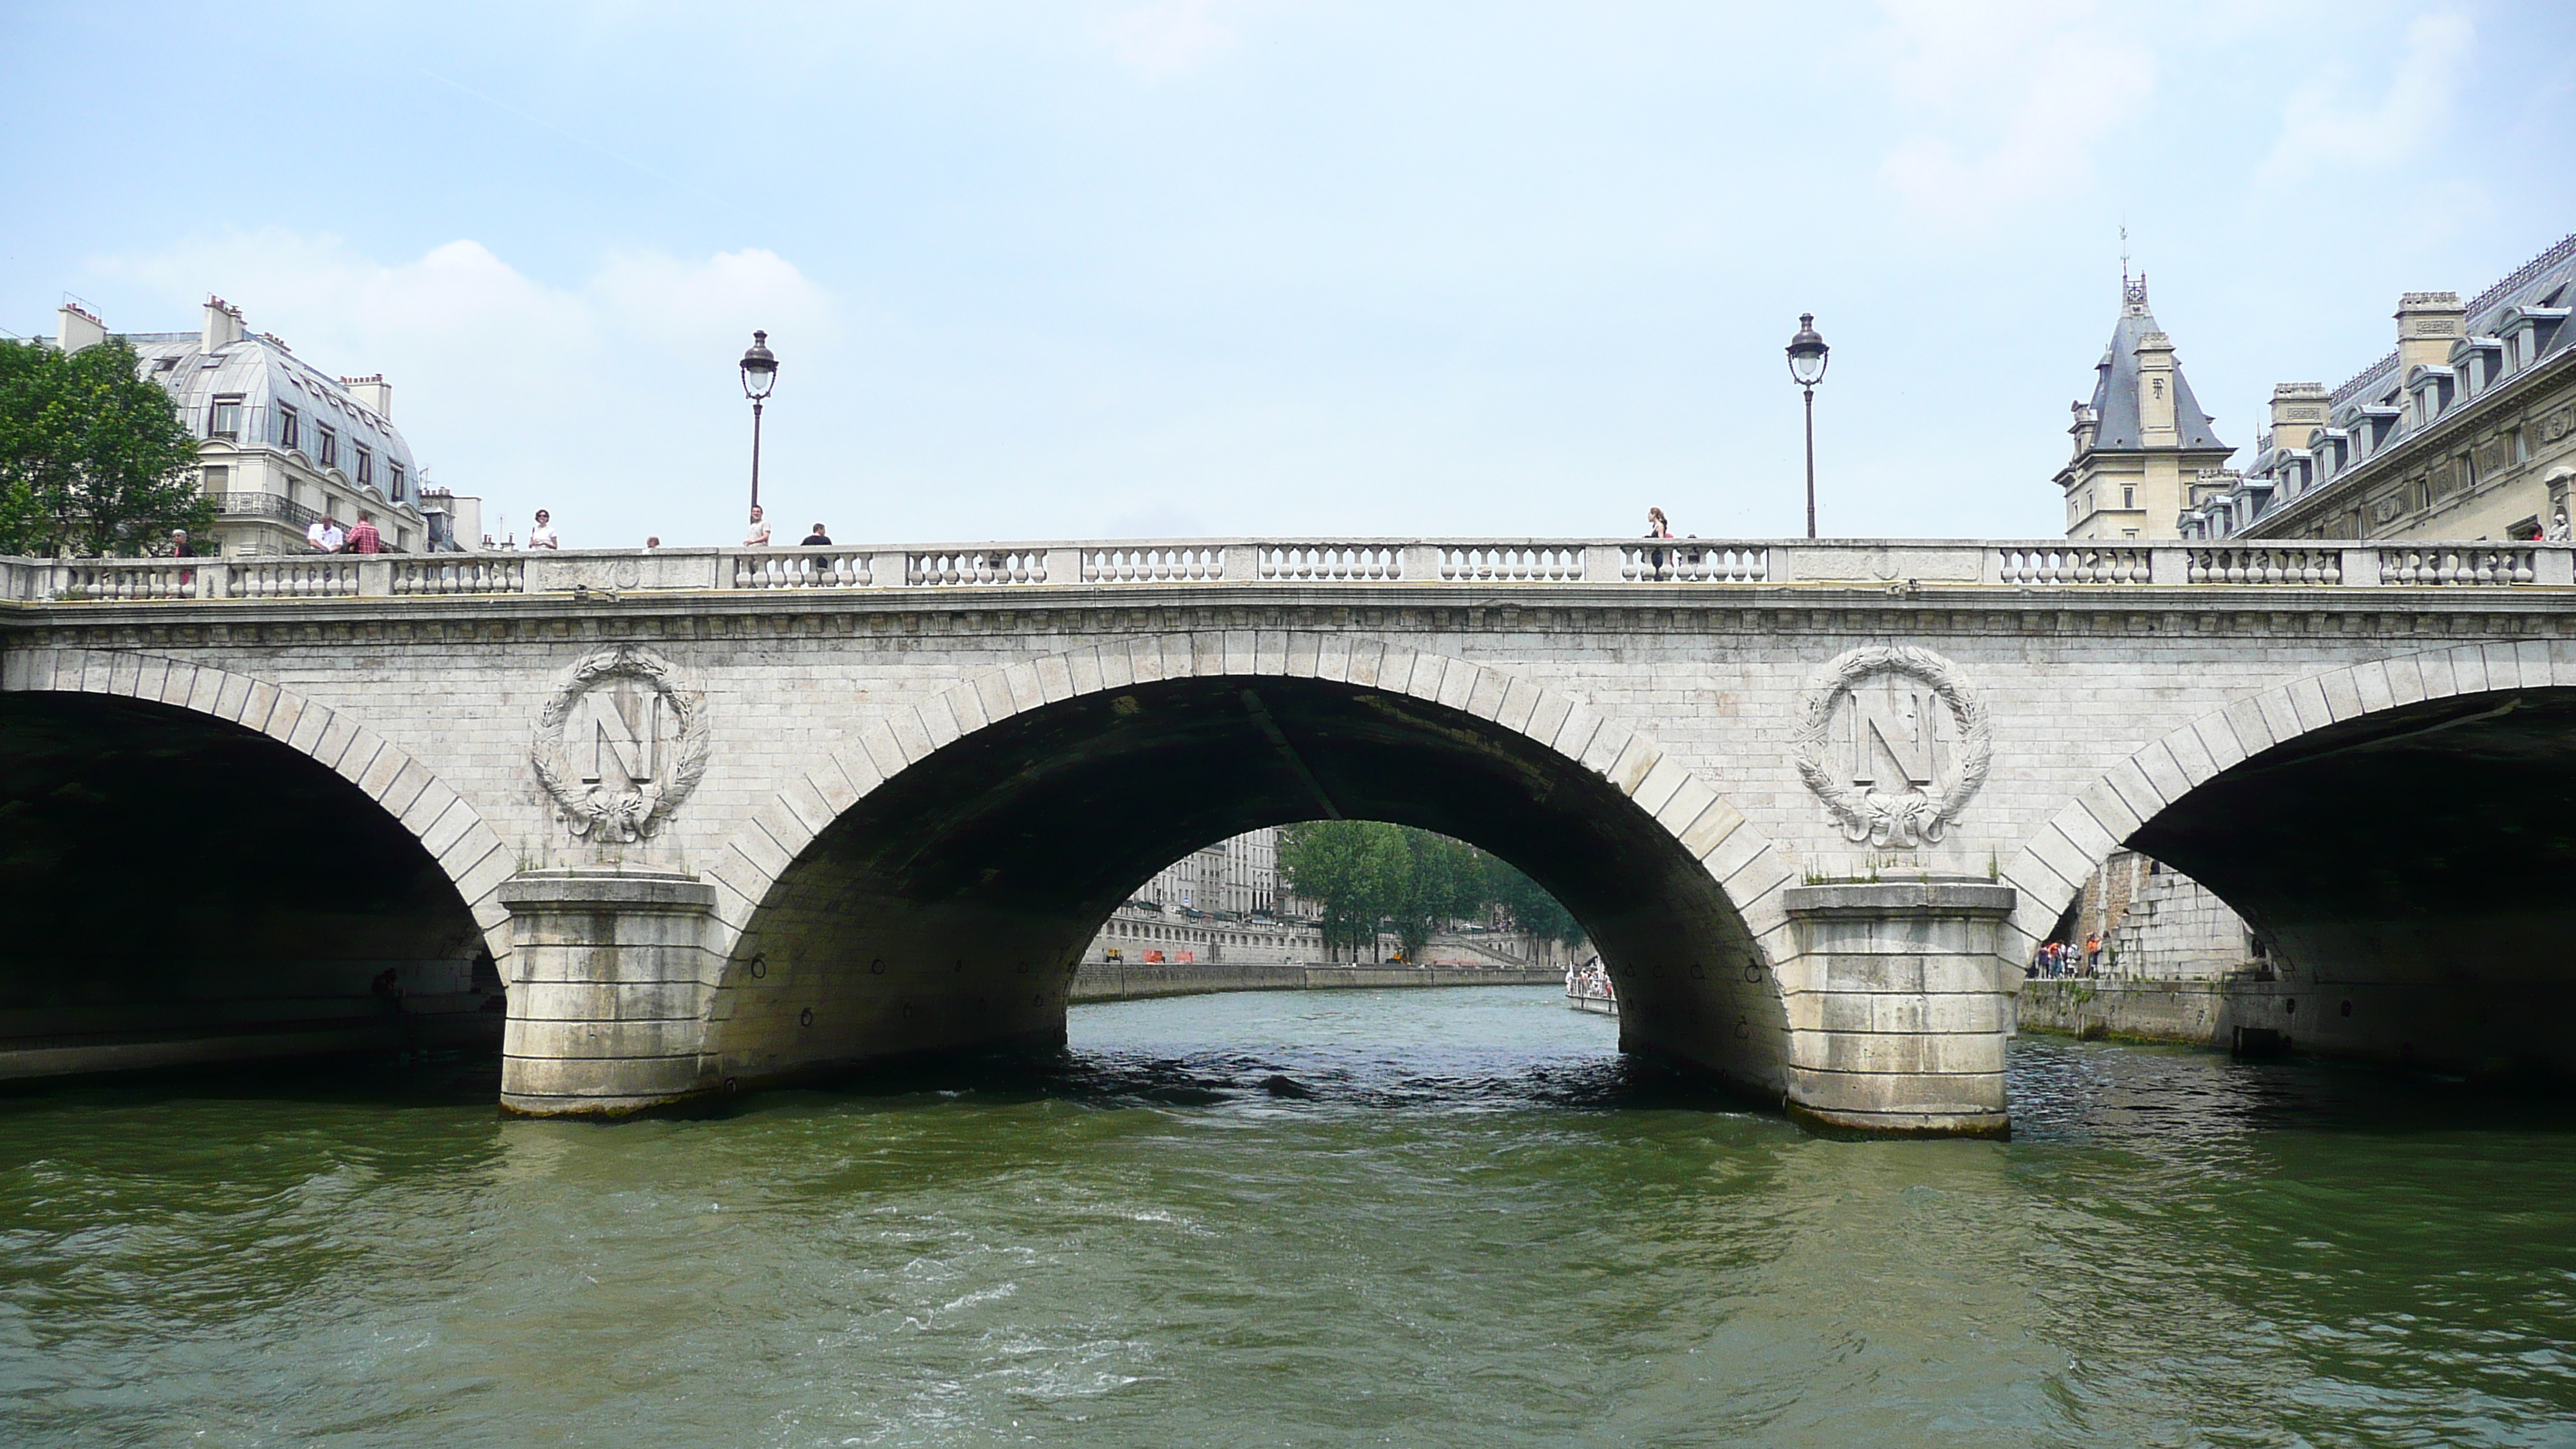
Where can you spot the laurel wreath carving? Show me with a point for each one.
(595, 810)
(1885, 820)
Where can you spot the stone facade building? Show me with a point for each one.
(1235, 877)
(280, 443)
(2466, 431)
(2141, 439)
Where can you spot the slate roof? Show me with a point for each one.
(263, 374)
(2115, 390)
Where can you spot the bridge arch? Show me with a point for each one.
(468, 854)
(1237, 729)
(2397, 831)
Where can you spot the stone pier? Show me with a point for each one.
(1898, 1011)
(609, 998)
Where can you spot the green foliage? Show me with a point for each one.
(1366, 877)
(1351, 870)
(94, 459)
(1533, 911)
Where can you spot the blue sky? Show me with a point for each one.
(1254, 266)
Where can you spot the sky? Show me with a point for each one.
(1150, 268)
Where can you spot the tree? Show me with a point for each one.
(1443, 881)
(1353, 870)
(94, 459)
(1533, 911)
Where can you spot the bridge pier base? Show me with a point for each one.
(1897, 1009)
(608, 1008)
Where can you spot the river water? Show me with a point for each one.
(1455, 1218)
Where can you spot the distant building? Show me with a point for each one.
(2466, 431)
(280, 443)
(2142, 438)
(1236, 877)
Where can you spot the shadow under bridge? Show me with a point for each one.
(948, 908)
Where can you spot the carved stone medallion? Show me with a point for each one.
(621, 743)
(1894, 741)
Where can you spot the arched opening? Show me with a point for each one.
(2407, 873)
(948, 907)
(184, 890)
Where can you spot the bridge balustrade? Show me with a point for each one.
(1898, 565)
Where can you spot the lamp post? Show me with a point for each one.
(759, 375)
(1807, 368)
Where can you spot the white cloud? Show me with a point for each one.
(590, 398)
(2321, 133)
(2008, 100)
(1166, 36)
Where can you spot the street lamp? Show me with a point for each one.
(759, 375)
(1807, 368)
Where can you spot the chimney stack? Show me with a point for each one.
(2157, 427)
(2298, 412)
(373, 392)
(78, 328)
(223, 324)
(2427, 324)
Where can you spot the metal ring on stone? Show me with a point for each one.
(1752, 970)
(805, 1017)
(876, 966)
(758, 968)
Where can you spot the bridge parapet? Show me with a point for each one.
(1711, 563)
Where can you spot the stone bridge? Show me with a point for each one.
(721, 818)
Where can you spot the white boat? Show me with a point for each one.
(1588, 988)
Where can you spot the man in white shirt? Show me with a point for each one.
(333, 539)
(313, 533)
(543, 535)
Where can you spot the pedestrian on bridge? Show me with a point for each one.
(759, 535)
(363, 537)
(817, 539)
(543, 534)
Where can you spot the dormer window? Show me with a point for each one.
(287, 434)
(2375, 421)
(364, 461)
(2332, 452)
(2480, 361)
(2527, 333)
(223, 418)
(395, 483)
(327, 447)
(2432, 389)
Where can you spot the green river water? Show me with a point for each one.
(1478, 1227)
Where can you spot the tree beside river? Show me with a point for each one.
(1367, 878)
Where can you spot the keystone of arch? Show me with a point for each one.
(1745, 864)
(2051, 870)
(468, 852)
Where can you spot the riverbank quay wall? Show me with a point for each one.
(716, 817)
(2505, 1033)
(1110, 981)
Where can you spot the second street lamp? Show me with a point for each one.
(759, 375)
(1807, 353)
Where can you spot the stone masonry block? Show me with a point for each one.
(938, 722)
(812, 812)
(1520, 698)
(1333, 658)
(1608, 744)
(1715, 825)
(1304, 655)
(2191, 756)
(1458, 680)
(1367, 657)
(1486, 692)
(1242, 652)
(2218, 741)
(1055, 679)
(762, 850)
(1082, 671)
(1656, 784)
(2370, 681)
(993, 695)
(441, 833)
(2162, 771)
(832, 788)
(1027, 692)
(2342, 694)
(1688, 801)
(206, 696)
(1270, 651)
(2083, 832)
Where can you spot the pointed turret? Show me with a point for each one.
(2140, 440)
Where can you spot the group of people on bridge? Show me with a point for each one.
(2065, 958)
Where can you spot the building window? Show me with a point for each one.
(2128, 497)
(223, 420)
(366, 462)
(394, 468)
(287, 437)
(329, 444)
